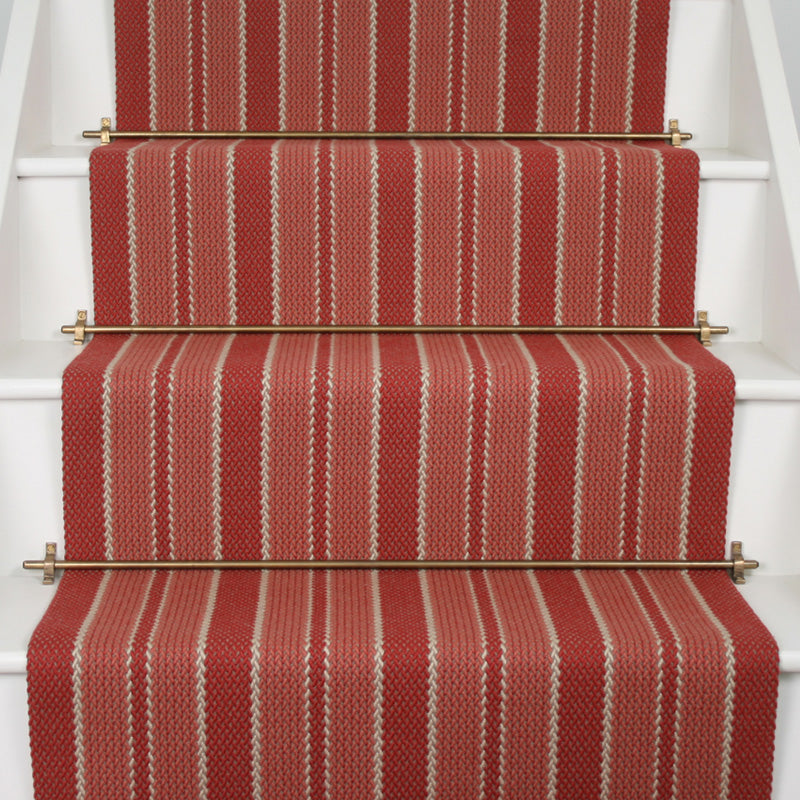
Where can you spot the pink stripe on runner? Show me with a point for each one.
(352, 217)
(604, 452)
(174, 678)
(192, 497)
(583, 213)
(302, 66)
(433, 80)
(506, 490)
(494, 255)
(561, 64)
(288, 467)
(440, 245)
(132, 458)
(446, 469)
(349, 688)
(298, 228)
(353, 64)
(610, 65)
(283, 687)
(459, 673)
(482, 65)
(222, 64)
(350, 430)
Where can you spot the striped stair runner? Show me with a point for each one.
(304, 232)
(359, 684)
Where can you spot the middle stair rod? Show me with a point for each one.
(702, 329)
(737, 564)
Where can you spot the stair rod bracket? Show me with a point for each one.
(106, 135)
(736, 565)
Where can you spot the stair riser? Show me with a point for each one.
(697, 83)
(764, 504)
(55, 254)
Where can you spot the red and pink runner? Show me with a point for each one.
(426, 684)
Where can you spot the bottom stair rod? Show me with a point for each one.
(736, 564)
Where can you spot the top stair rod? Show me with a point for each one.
(106, 134)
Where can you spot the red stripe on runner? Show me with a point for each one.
(263, 79)
(254, 254)
(82, 391)
(398, 446)
(395, 232)
(241, 447)
(131, 40)
(391, 110)
(110, 247)
(228, 699)
(580, 704)
(650, 64)
(405, 685)
(538, 234)
(50, 692)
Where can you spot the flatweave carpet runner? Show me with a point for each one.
(401, 685)
(391, 65)
(419, 232)
(383, 446)
(389, 684)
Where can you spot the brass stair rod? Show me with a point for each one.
(106, 134)
(702, 329)
(736, 564)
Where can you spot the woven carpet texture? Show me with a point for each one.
(388, 684)
(311, 232)
(391, 65)
(446, 447)
(402, 685)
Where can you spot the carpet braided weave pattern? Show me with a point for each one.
(391, 65)
(394, 233)
(390, 684)
(399, 685)
(382, 446)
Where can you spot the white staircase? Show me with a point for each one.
(725, 84)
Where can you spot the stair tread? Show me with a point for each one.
(23, 600)
(72, 161)
(32, 370)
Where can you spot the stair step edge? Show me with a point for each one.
(32, 370)
(23, 600)
(73, 162)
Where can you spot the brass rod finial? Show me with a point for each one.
(739, 564)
